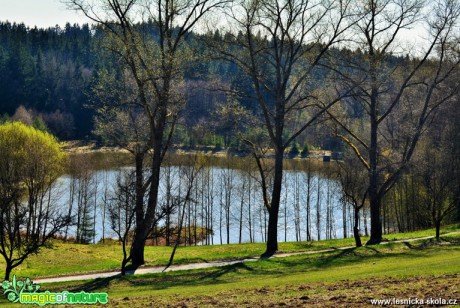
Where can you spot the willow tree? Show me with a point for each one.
(30, 163)
(148, 40)
(279, 46)
(398, 88)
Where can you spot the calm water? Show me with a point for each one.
(226, 195)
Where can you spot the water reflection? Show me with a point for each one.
(226, 198)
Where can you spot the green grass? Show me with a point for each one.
(422, 233)
(284, 279)
(68, 258)
(357, 274)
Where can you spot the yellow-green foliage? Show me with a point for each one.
(29, 156)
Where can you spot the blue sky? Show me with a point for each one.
(40, 13)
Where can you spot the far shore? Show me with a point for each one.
(85, 147)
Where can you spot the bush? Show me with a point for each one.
(30, 163)
(305, 151)
(294, 151)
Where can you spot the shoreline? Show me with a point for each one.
(87, 147)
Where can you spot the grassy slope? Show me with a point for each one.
(422, 269)
(66, 259)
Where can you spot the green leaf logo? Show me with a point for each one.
(14, 289)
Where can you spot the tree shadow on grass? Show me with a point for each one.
(355, 255)
(226, 270)
(165, 280)
(333, 258)
(408, 245)
(372, 249)
(432, 242)
(96, 284)
(323, 260)
(337, 258)
(103, 283)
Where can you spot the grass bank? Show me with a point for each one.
(352, 277)
(69, 259)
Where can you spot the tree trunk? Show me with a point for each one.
(308, 204)
(374, 198)
(272, 235)
(241, 214)
(438, 228)
(144, 224)
(357, 237)
(344, 219)
(376, 222)
(220, 211)
(318, 211)
(356, 229)
(137, 250)
(125, 257)
(8, 270)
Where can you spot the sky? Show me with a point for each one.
(49, 13)
(40, 13)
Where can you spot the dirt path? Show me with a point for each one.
(191, 266)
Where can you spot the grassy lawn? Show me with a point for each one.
(351, 277)
(67, 258)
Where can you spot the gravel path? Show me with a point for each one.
(191, 266)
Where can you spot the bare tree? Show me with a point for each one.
(398, 96)
(228, 177)
(121, 210)
(318, 208)
(155, 65)
(104, 201)
(82, 186)
(309, 191)
(354, 186)
(278, 45)
(296, 175)
(189, 174)
(23, 115)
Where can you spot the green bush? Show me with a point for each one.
(305, 151)
(294, 151)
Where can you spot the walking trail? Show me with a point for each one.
(191, 266)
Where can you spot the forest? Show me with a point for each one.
(51, 73)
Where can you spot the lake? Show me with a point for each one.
(225, 197)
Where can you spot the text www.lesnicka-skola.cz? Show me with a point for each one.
(414, 301)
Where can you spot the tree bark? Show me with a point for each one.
(376, 221)
(273, 212)
(144, 224)
(438, 229)
(137, 249)
(374, 197)
(356, 229)
(8, 270)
